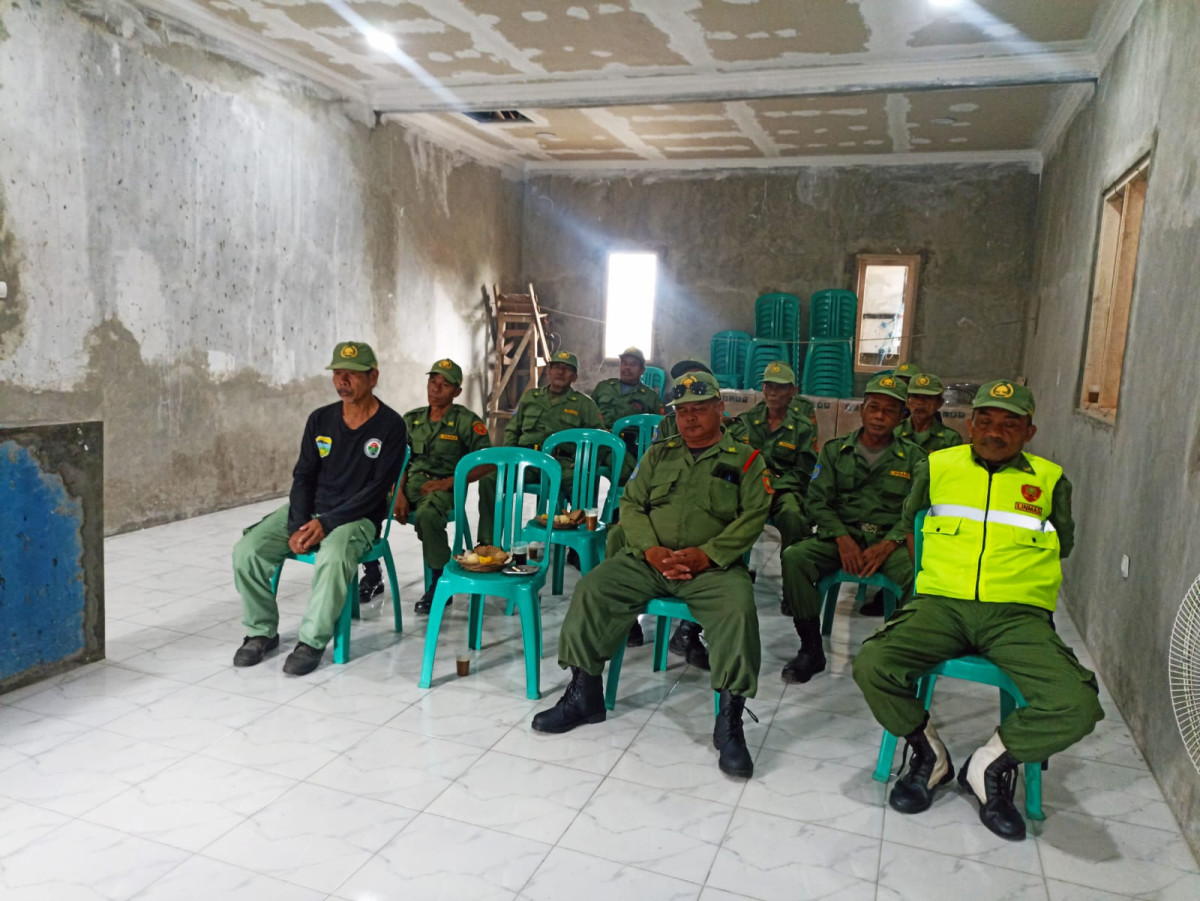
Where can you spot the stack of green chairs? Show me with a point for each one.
(777, 318)
(828, 368)
(832, 313)
(727, 352)
(761, 353)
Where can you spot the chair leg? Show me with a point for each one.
(614, 676)
(530, 640)
(887, 752)
(275, 579)
(475, 622)
(341, 634)
(1033, 791)
(558, 562)
(716, 704)
(662, 635)
(831, 598)
(436, 611)
(391, 571)
(352, 600)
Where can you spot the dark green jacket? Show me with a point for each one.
(790, 451)
(540, 414)
(438, 446)
(936, 437)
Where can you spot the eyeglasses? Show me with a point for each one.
(697, 387)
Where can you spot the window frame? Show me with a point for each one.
(911, 261)
(658, 262)
(1114, 280)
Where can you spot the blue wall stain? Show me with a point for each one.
(41, 565)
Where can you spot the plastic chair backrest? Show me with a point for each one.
(589, 445)
(727, 352)
(832, 313)
(513, 465)
(645, 423)
(654, 378)
(917, 542)
(387, 520)
(777, 315)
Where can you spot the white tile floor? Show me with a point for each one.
(164, 773)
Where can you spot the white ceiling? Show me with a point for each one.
(698, 84)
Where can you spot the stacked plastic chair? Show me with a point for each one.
(727, 352)
(829, 363)
(777, 318)
(761, 353)
(655, 379)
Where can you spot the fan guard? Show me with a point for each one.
(1184, 671)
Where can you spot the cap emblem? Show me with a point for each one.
(349, 352)
(444, 364)
(887, 382)
(1004, 389)
(922, 380)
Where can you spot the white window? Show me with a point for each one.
(629, 316)
(887, 287)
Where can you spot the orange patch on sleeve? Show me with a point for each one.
(480, 428)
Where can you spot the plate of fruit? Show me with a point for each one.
(485, 558)
(570, 520)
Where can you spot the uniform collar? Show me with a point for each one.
(850, 442)
(1020, 462)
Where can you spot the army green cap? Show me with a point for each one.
(906, 370)
(635, 353)
(447, 369)
(1005, 395)
(779, 372)
(693, 387)
(354, 355)
(686, 366)
(567, 357)
(889, 385)
(926, 383)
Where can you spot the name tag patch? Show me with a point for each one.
(1029, 508)
(571, 412)
(903, 475)
(446, 436)
(787, 444)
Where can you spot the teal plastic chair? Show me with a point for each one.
(515, 467)
(828, 588)
(654, 378)
(972, 668)
(590, 445)
(777, 317)
(646, 424)
(727, 353)
(665, 609)
(379, 550)
(828, 368)
(760, 353)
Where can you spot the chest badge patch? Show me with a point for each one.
(447, 436)
(900, 473)
(1031, 492)
(372, 448)
(479, 428)
(787, 444)
(324, 445)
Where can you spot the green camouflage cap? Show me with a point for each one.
(354, 355)
(633, 352)
(926, 383)
(779, 372)
(906, 370)
(1005, 395)
(889, 385)
(566, 357)
(447, 369)
(693, 387)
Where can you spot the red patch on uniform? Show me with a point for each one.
(480, 428)
(1031, 492)
(767, 484)
(746, 468)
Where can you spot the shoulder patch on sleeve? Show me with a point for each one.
(479, 428)
(767, 484)
(749, 460)
(816, 471)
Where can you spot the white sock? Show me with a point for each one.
(980, 761)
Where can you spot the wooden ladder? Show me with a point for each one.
(521, 350)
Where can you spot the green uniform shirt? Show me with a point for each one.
(1060, 502)
(541, 413)
(790, 451)
(718, 502)
(614, 405)
(847, 496)
(438, 446)
(936, 437)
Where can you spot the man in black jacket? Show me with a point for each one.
(350, 458)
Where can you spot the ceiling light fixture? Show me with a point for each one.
(381, 41)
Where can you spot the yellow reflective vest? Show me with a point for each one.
(987, 536)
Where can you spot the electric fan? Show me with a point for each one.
(1184, 671)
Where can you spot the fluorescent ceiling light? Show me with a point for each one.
(381, 40)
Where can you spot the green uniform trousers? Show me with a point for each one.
(264, 546)
(608, 600)
(806, 563)
(788, 516)
(1018, 638)
(429, 515)
(487, 508)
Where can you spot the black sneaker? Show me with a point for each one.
(303, 660)
(370, 585)
(254, 649)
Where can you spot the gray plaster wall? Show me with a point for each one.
(185, 238)
(723, 241)
(1137, 483)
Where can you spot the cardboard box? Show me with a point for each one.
(956, 416)
(849, 414)
(738, 402)
(826, 416)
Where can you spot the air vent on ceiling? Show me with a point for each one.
(498, 117)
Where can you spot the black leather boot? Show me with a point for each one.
(810, 659)
(582, 702)
(682, 636)
(426, 602)
(928, 767)
(635, 639)
(990, 774)
(730, 739)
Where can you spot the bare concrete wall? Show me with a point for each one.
(185, 239)
(723, 241)
(1137, 483)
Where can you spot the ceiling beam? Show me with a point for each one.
(1049, 68)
